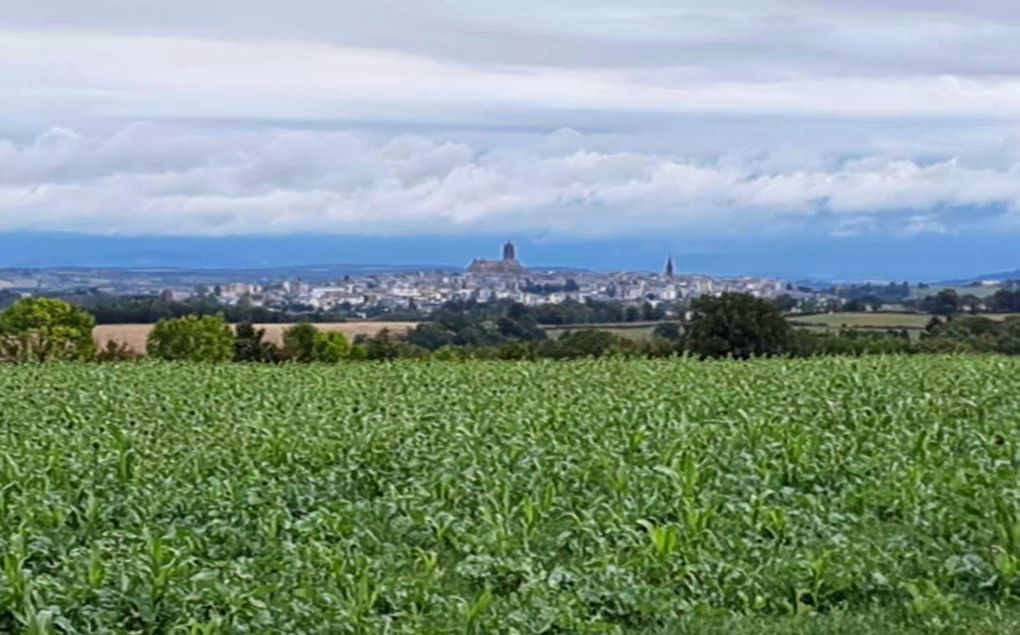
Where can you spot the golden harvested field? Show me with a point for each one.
(134, 334)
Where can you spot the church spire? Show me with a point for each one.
(669, 266)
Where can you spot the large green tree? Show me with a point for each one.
(305, 343)
(192, 338)
(736, 325)
(43, 329)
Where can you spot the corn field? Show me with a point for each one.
(605, 496)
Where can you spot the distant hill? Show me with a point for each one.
(962, 282)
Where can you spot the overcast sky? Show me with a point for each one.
(587, 119)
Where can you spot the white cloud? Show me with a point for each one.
(151, 179)
(751, 115)
(134, 76)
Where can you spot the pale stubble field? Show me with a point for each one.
(134, 334)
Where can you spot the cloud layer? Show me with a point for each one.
(157, 179)
(380, 117)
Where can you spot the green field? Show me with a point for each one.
(826, 496)
(863, 320)
(881, 321)
(637, 331)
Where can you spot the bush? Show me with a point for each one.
(42, 330)
(192, 339)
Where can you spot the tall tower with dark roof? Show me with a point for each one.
(509, 251)
(669, 267)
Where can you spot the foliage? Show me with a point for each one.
(305, 343)
(192, 338)
(578, 344)
(384, 346)
(331, 347)
(8, 298)
(456, 312)
(250, 345)
(115, 351)
(118, 310)
(464, 324)
(945, 302)
(42, 329)
(736, 325)
(299, 342)
(871, 293)
(977, 334)
(1005, 301)
(668, 331)
(832, 495)
(850, 342)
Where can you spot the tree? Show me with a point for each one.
(331, 347)
(304, 343)
(192, 338)
(736, 325)
(42, 329)
(855, 305)
(785, 303)
(580, 343)
(8, 298)
(250, 345)
(299, 342)
(667, 331)
(945, 302)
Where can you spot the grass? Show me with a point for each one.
(666, 496)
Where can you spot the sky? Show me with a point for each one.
(836, 139)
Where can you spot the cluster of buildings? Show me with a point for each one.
(372, 292)
(489, 280)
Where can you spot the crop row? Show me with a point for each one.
(596, 496)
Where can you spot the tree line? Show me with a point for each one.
(730, 325)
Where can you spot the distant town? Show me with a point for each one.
(369, 292)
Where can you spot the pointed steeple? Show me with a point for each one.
(669, 266)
